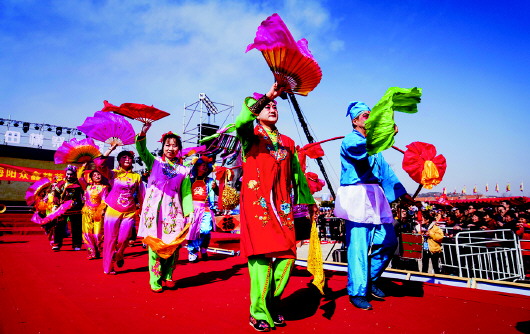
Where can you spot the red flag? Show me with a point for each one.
(314, 150)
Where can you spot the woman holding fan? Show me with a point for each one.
(271, 171)
(126, 186)
(168, 202)
(95, 193)
(127, 190)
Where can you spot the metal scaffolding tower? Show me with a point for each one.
(200, 119)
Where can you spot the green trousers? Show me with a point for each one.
(160, 269)
(268, 278)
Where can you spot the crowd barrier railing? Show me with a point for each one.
(493, 255)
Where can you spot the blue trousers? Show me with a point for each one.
(203, 242)
(370, 249)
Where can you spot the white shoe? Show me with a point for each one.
(192, 257)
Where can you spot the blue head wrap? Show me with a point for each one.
(356, 108)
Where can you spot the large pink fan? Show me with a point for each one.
(76, 151)
(291, 62)
(35, 189)
(58, 212)
(109, 128)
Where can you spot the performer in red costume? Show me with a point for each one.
(271, 171)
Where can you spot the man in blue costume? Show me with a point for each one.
(367, 186)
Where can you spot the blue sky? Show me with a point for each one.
(61, 59)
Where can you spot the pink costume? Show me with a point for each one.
(93, 218)
(121, 211)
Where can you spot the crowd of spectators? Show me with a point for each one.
(440, 224)
(454, 219)
(472, 217)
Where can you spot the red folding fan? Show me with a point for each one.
(291, 62)
(139, 112)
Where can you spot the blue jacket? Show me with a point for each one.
(360, 168)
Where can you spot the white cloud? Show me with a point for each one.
(136, 44)
(79, 53)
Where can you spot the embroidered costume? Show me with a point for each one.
(163, 222)
(271, 171)
(93, 211)
(126, 191)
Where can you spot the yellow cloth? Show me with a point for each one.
(430, 175)
(166, 250)
(314, 258)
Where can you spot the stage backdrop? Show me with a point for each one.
(17, 174)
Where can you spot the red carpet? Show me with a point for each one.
(47, 292)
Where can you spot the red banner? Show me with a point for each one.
(28, 174)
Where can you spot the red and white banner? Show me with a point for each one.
(28, 174)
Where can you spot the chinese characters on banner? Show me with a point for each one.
(28, 174)
(34, 139)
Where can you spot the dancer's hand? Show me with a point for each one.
(109, 151)
(144, 130)
(275, 91)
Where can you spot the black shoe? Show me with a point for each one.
(120, 263)
(279, 320)
(259, 325)
(360, 302)
(377, 293)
